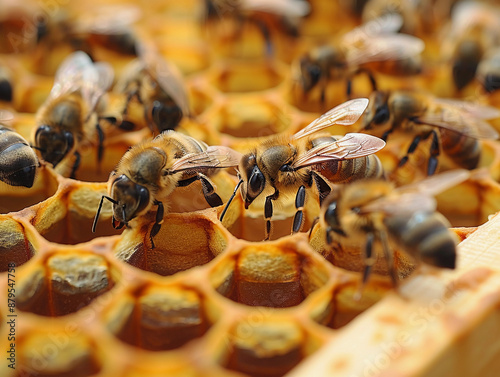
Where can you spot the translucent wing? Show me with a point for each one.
(464, 117)
(78, 73)
(344, 114)
(6, 115)
(388, 23)
(418, 196)
(213, 157)
(406, 203)
(108, 19)
(384, 47)
(286, 8)
(352, 145)
(70, 74)
(438, 183)
(167, 75)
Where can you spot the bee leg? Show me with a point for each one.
(369, 261)
(388, 257)
(268, 212)
(158, 221)
(411, 149)
(100, 146)
(267, 37)
(357, 72)
(433, 161)
(76, 165)
(230, 199)
(300, 199)
(386, 134)
(371, 78)
(208, 191)
(98, 213)
(323, 188)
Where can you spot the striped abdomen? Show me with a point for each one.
(344, 171)
(18, 161)
(425, 236)
(463, 150)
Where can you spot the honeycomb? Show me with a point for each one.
(212, 298)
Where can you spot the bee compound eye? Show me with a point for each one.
(332, 218)
(142, 196)
(42, 132)
(382, 114)
(256, 182)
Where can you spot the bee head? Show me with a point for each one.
(253, 179)
(165, 116)
(53, 144)
(310, 73)
(377, 112)
(131, 199)
(332, 219)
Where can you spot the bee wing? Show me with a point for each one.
(345, 114)
(286, 8)
(70, 74)
(212, 157)
(108, 19)
(405, 203)
(78, 73)
(6, 115)
(464, 117)
(166, 74)
(437, 183)
(352, 145)
(418, 196)
(386, 24)
(383, 47)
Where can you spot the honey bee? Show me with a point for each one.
(453, 125)
(158, 86)
(404, 218)
(108, 25)
(68, 119)
(474, 31)
(374, 41)
(288, 165)
(149, 172)
(284, 15)
(18, 162)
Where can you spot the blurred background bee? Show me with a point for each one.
(18, 161)
(284, 166)
(473, 31)
(149, 172)
(403, 218)
(84, 28)
(453, 125)
(158, 86)
(68, 120)
(281, 16)
(375, 41)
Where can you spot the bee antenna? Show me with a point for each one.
(37, 148)
(96, 218)
(231, 199)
